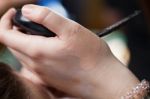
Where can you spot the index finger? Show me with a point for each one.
(21, 42)
(53, 21)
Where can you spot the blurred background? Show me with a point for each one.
(130, 44)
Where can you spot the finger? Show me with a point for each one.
(31, 75)
(16, 28)
(51, 20)
(27, 44)
(21, 57)
(13, 39)
(19, 29)
(5, 22)
(26, 61)
(18, 55)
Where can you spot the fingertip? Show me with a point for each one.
(12, 10)
(32, 12)
(28, 9)
(5, 21)
(35, 13)
(28, 5)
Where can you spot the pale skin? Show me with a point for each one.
(76, 61)
(38, 91)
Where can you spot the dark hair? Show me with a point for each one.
(11, 86)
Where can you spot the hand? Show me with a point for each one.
(76, 61)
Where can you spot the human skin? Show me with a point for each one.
(7, 4)
(37, 91)
(75, 61)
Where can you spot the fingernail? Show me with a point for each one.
(27, 9)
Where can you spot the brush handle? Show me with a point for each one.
(37, 29)
(117, 25)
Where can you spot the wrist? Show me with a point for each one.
(111, 81)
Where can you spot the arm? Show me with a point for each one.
(76, 61)
(112, 82)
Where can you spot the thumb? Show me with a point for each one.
(48, 18)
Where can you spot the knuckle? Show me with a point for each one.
(34, 52)
(75, 28)
(35, 68)
(33, 49)
(44, 13)
(32, 65)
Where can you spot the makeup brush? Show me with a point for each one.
(119, 24)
